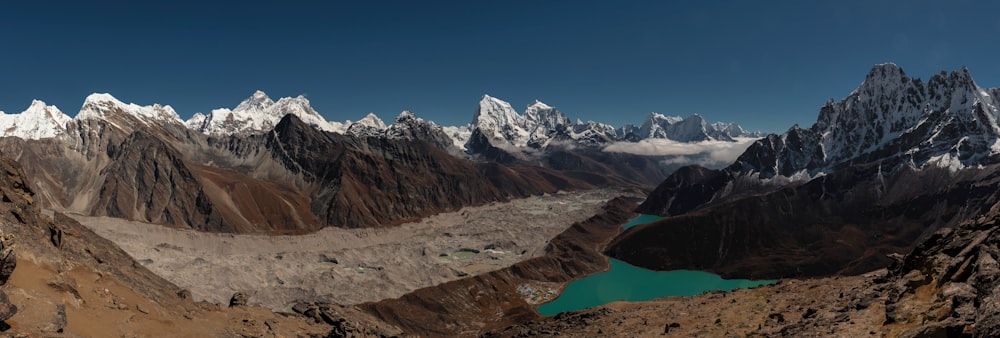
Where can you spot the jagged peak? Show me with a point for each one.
(41, 109)
(493, 106)
(696, 118)
(961, 76)
(884, 73)
(38, 121)
(38, 104)
(405, 116)
(257, 101)
(371, 120)
(299, 98)
(540, 105)
(100, 97)
(487, 97)
(652, 117)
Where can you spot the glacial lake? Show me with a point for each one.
(642, 219)
(630, 283)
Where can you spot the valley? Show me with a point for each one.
(351, 266)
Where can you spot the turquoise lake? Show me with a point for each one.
(642, 219)
(627, 282)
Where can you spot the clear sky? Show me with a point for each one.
(764, 64)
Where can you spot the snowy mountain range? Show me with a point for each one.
(538, 127)
(891, 126)
(897, 121)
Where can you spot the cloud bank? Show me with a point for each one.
(708, 153)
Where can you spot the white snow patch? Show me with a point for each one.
(947, 161)
(459, 135)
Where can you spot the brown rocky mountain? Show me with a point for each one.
(256, 172)
(148, 179)
(293, 179)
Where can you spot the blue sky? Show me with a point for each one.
(764, 64)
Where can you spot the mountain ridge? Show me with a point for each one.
(539, 125)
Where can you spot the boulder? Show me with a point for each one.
(238, 299)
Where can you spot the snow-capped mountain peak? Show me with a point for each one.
(258, 114)
(37, 122)
(371, 120)
(694, 128)
(405, 116)
(257, 103)
(497, 120)
(894, 119)
(105, 107)
(369, 126)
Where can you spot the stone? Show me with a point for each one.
(7, 309)
(238, 299)
(8, 258)
(55, 236)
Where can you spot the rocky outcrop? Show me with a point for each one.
(238, 299)
(948, 284)
(474, 305)
(334, 315)
(8, 261)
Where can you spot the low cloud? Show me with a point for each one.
(708, 153)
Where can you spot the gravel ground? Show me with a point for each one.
(349, 266)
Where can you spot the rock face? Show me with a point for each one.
(148, 179)
(948, 284)
(8, 261)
